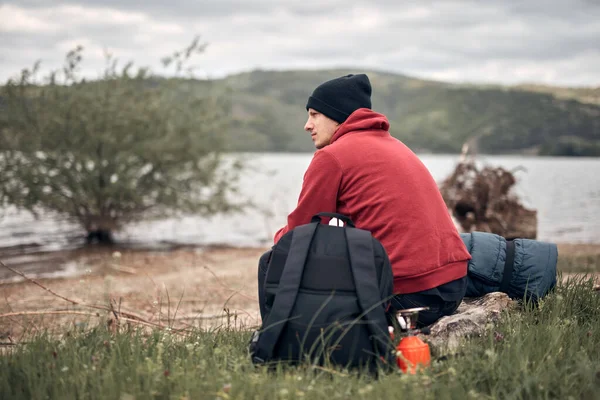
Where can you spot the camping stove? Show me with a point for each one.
(411, 351)
(408, 318)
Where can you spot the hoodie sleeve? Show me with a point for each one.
(319, 191)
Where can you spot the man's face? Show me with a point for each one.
(321, 128)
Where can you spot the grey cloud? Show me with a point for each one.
(555, 8)
(456, 12)
(175, 8)
(436, 37)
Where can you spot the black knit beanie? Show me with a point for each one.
(340, 97)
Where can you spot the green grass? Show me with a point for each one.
(549, 351)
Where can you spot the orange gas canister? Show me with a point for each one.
(412, 353)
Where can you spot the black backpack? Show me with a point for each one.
(328, 289)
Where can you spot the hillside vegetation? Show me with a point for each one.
(268, 114)
(265, 111)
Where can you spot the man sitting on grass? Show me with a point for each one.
(361, 171)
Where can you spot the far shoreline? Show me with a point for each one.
(423, 152)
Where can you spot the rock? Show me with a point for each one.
(470, 319)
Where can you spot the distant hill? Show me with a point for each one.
(583, 95)
(268, 114)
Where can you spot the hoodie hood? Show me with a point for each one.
(362, 119)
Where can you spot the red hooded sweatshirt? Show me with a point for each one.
(384, 188)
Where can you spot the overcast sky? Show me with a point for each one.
(494, 41)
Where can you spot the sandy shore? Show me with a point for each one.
(188, 287)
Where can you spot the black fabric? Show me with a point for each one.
(360, 251)
(340, 97)
(441, 301)
(262, 276)
(453, 291)
(509, 266)
(330, 270)
(333, 316)
(288, 290)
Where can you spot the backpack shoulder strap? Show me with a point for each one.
(360, 249)
(289, 284)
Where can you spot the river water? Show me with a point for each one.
(564, 191)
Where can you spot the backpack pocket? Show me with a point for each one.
(338, 343)
(329, 329)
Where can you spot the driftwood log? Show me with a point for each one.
(481, 200)
(471, 319)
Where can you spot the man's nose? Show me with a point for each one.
(308, 126)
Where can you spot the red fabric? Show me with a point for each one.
(384, 188)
